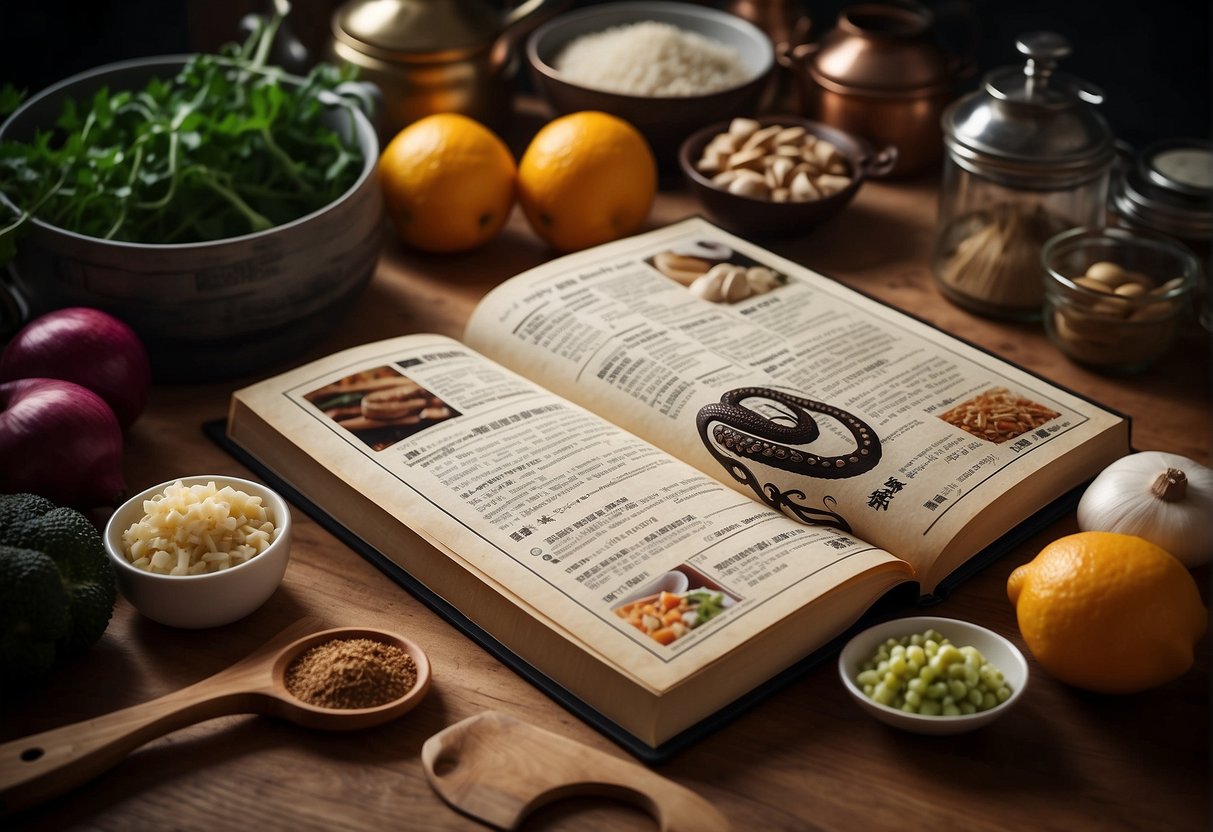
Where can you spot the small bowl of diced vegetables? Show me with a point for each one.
(202, 551)
(932, 675)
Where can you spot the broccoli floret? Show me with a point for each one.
(57, 587)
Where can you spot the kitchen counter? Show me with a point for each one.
(805, 758)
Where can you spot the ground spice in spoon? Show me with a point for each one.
(351, 673)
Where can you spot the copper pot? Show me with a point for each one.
(880, 73)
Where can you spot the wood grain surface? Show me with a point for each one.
(807, 758)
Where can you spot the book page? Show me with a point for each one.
(581, 524)
(821, 403)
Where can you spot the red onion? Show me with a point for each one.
(59, 440)
(88, 347)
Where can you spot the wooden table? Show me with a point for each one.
(806, 758)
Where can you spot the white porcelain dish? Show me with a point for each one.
(672, 581)
(997, 650)
(214, 598)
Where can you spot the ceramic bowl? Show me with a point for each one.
(211, 599)
(673, 581)
(760, 218)
(999, 652)
(209, 309)
(664, 121)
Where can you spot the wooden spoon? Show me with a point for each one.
(499, 769)
(41, 766)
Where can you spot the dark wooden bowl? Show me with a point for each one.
(751, 217)
(664, 121)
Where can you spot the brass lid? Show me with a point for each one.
(416, 30)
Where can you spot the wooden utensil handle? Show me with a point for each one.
(38, 767)
(499, 770)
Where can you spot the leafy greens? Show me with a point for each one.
(229, 146)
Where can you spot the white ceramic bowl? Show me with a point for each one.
(997, 651)
(212, 599)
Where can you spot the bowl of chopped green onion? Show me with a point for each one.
(933, 675)
(227, 211)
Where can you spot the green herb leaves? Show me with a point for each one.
(227, 147)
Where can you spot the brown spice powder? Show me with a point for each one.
(351, 673)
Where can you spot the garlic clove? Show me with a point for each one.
(743, 127)
(708, 286)
(735, 286)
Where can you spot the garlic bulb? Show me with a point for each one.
(1165, 498)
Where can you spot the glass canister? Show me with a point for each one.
(1168, 188)
(1028, 156)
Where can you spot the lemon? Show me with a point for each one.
(1107, 612)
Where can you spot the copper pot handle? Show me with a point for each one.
(795, 56)
(880, 163)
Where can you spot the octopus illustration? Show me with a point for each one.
(732, 429)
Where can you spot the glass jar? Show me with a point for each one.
(1116, 299)
(1027, 157)
(1168, 188)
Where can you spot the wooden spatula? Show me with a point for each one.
(499, 769)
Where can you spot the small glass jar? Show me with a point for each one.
(1028, 157)
(1168, 188)
(1116, 299)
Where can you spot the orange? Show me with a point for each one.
(586, 178)
(1107, 612)
(448, 183)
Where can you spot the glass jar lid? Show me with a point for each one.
(1031, 126)
(1170, 189)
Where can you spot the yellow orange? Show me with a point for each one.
(585, 179)
(1107, 612)
(448, 183)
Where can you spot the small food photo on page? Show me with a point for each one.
(714, 272)
(380, 406)
(674, 604)
(997, 415)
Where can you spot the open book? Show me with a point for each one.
(661, 501)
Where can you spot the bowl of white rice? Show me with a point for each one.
(668, 68)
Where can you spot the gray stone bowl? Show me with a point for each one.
(204, 310)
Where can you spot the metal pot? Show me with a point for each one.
(434, 56)
(880, 73)
(214, 309)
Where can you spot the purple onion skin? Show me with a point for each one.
(61, 441)
(88, 347)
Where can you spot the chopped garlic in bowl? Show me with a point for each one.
(200, 551)
(192, 529)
